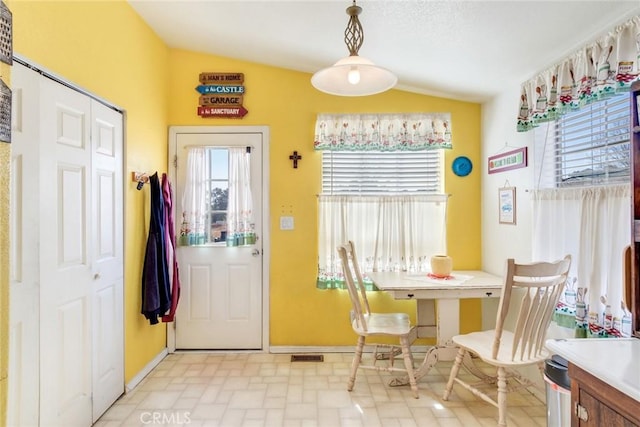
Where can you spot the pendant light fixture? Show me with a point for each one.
(353, 75)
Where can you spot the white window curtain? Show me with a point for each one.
(601, 69)
(240, 222)
(383, 132)
(391, 233)
(194, 198)
(591, 224)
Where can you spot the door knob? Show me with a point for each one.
(255, 252)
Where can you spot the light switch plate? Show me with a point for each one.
(286, 223)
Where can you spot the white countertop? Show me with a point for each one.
(615, 361)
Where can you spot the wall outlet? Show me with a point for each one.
(286, 223)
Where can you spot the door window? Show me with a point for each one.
(217, 202)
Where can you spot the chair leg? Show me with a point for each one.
(502, 397)
(357, 358)
(408, 364)
(454, 373)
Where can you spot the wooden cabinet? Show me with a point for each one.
(595, 403)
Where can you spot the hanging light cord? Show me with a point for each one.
(354, 34)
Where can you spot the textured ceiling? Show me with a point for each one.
(459, 49)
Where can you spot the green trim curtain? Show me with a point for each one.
(194, 198)
(599, 70)
(240, 221)
(391, 233)
(383, 132)
(591, 224)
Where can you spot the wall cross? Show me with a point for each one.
(295, 157)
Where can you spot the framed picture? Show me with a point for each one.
(507, 205)
(513, 159)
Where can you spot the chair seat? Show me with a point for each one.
(383, 324)
(481, 343)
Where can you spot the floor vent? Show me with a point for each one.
(307, 358)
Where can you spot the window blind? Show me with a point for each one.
(585, 147)
(379, 173)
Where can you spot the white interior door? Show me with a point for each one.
(221, 302)
(107, 258)
(23, 401)
(65, 257)
(67, 359)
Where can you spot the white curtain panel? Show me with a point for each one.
(391, 233)
(194, 206)
(240, 222)
(591, 224)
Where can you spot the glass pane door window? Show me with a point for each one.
(211, 226)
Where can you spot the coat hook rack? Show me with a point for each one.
(141, 178)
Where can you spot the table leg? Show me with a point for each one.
(446, 327)
(448, 321)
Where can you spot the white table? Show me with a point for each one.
(443, 294)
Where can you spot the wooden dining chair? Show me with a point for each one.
(367, 324)
(540, 285)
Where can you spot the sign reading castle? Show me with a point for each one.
(221, 95)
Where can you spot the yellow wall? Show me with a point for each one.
(286, 102)
(105, 48)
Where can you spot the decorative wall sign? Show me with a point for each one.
(209, 111)
(513, 159)
(507, 205)
(5, 112)
(221, 95)
(6, 34)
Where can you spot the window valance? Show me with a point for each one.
(596, 71)
(382, 132)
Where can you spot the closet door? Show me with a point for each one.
(65, 259)
(107, 257)
(81, 249)
(67, 339)
(23, 402)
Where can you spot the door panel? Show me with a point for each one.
(221, 299)
(107, 257)
(23, 396)
(65, 294)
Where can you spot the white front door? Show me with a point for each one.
(221, 302)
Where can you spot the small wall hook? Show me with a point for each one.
(140, 178)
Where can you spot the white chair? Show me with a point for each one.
(541, 285)
(367, 324)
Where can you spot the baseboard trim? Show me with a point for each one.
(331, 349)
(145, 371)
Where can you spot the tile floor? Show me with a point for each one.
(251, 389)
